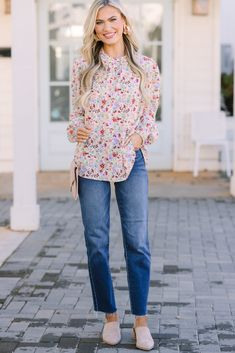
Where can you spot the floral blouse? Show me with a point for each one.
(115, 111)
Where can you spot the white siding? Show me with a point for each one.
(196, 73)
(5, 95)
(196, 78)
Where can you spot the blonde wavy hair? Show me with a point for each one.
(92, 46)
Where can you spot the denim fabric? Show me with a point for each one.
(132, 199)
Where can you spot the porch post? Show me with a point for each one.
(232, 181)
(25, 212)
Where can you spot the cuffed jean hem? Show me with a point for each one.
(108, 311)
(137, 313)
(105, 311)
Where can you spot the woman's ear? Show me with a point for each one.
(126, 29)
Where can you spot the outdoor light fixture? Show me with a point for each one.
(7, 9)
(200, 7)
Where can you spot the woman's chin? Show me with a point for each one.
(110, 41)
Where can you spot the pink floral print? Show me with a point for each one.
(116, 110)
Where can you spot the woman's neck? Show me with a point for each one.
(115, 51)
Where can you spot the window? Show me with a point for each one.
(227, 28)
(65, 24)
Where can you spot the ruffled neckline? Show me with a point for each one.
(111, 62)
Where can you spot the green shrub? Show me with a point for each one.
(227, 91)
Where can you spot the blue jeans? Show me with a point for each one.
(132, 200)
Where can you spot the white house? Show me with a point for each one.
(186, 47)
(45, 36)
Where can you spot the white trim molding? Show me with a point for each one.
(25, 212)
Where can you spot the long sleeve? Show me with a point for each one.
(147, 127)
(76, 117)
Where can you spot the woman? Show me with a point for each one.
(115, 95)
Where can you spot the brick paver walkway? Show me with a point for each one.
(45, 296)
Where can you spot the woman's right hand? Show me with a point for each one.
(83, 133)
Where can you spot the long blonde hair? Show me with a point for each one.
(92, 46)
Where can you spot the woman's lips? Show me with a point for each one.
(109, 35)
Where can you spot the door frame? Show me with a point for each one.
(161, 152)
(166, 127)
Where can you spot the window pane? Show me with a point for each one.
(146, 19)
(227, 79)
(155, 52)
(78, 12)
(151, 14)
(59, 63)
(133, 11)
(61, 33)
(59, 20)
(59, 12)
(59, 103)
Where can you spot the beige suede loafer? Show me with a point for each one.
(143, 338)
(111, 333)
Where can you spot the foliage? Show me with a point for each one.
(227, 92)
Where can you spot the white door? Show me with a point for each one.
(60, 36)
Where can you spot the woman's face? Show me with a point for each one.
(109, 25)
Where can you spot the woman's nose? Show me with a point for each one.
(107, 27)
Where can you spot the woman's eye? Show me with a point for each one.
(112, 19)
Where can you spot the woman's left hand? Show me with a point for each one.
(136, 140)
